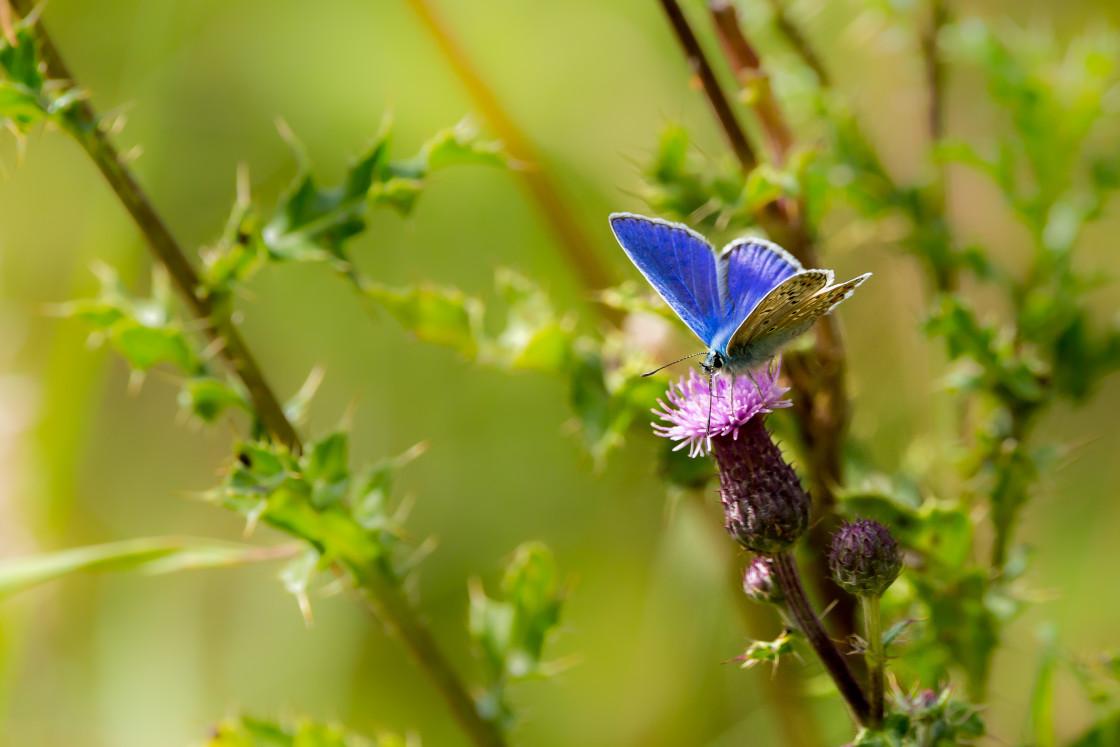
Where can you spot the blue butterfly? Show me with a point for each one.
(745, 303)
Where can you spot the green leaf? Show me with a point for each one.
(207, 397)
(248, 731)
(20, 105)
(20, 62)
(461, 145)
(443, 316)
(1042, 696)
(766, 184)
(768, 652)
(1105, 733)
(510, 632)
(145, 347)
(312, 224)
(151, 554)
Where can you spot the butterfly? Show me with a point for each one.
(745, 303)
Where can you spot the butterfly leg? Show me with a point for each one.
(756, 385)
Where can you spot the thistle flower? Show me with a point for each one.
(865, 559)
(731, 406)
(764, 505)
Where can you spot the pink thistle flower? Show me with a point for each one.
(732, 406)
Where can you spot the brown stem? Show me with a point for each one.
(783, 692)
(697, 60)
(574, 241)
(785, 569)
(752, 77)
(934, 70)
(799, 42)
(821, 402)
(83, 125)
(378, 590)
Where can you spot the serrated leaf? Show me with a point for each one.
(312, 224)
(144, 347)
(20, 62)
(207, 397)
(460, 145)
(443, 316)
(20, 105)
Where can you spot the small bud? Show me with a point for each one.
(759, 582)
(764, 505)
(865, 559)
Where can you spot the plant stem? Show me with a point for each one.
(752, 77)
(381, 592)
(577, 246)
(387, 602)
(84, 126)
(785, 569)
(784, 693)
(821, 402)
(799, 42)
(697, 60)
(876, 656)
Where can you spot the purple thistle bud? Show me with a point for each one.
(764, 505)
(759, 582)
(865, 559)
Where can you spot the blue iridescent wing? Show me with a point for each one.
(748, 270)
(679, 263)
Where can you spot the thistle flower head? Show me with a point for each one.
(865, 559)
(759, 582)
(731, 406)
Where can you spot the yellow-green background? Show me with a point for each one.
(132, 661)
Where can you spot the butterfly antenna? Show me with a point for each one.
(708, 430)
(651, 373)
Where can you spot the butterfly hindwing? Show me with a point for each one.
(679, 263)
(790, 292)
(769, 333)
(749, 269)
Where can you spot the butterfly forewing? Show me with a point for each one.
(792, 321)
(778, 302)
(679, 263)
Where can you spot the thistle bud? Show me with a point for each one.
(865, 559)
(759, 582)
(764, 505)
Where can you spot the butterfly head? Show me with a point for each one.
(713, 363)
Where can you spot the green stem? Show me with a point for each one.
(385, 598)
(380, 591)
(785, 569)
(876, 655)
(83, 125)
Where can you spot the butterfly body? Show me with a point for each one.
(745, 303)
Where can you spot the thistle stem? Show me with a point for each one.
(876, 655)
(381, 592)
(83, 125)
(785, 569)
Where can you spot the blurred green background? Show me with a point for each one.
(127, 660)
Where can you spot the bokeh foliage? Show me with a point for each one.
(1015, 325)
